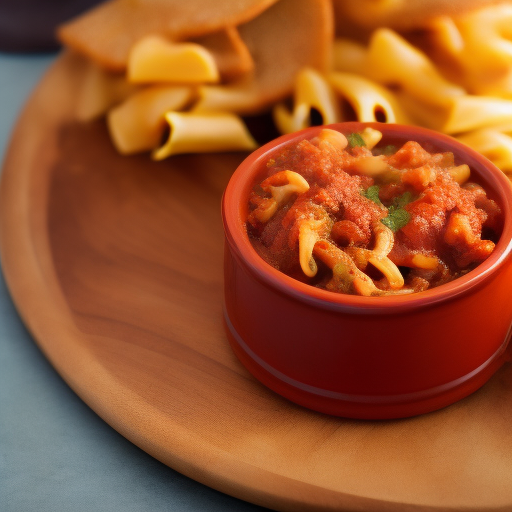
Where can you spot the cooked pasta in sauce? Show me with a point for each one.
(352, 214)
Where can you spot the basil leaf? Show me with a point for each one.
(355, 139)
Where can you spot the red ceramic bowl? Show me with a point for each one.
(367, 357)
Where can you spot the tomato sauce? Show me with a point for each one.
(353, 215)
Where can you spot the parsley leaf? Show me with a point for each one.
(401, 201)
(355, 139)
(372, 193)
(397, 216)
(396, 219)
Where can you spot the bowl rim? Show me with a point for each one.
(233, 210)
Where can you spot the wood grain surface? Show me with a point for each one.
(115, 264)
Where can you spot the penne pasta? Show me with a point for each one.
(204, 133)
(192, 73)
(462, 114)
(424, 114)
(486, 34)
(404, 15)
(289, 122)
(493, 144)
(478, 47)
(311, 92)
(138, 124)
(367, 98)
(391, 60)
(471, 112)
(100, 91)
(446, 35)
(349, 56)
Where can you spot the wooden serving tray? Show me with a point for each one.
(115, 264)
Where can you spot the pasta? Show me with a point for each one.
(231, 54)
(154, 59)
(324, 223)
(463, 86)
(202, 133)
(275, 72)
(402, 14)
(107, 33)
(462, 114)
(493, 144)
(368, 99)
(391, 60)
(311, 92)
(472, 112)
(100, 91)
(478, 44)
(453, 75)
(138, 124)
(348, 56)
(281, 186)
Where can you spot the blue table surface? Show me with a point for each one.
(56, 454)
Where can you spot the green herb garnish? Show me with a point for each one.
(401, 201)
(372, 193)
(398, 217)
(355, 140)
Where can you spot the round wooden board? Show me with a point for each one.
(115, 264)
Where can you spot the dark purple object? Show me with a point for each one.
(29, 25)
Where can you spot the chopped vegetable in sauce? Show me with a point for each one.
(355, 140)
